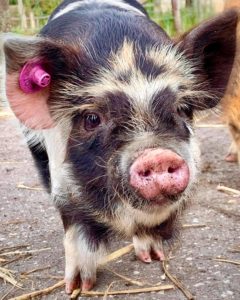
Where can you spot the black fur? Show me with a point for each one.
(148, 67)
(40, 157)
(169, 119)
(65, 3)
(94, 232)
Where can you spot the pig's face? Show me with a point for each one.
(131, 139)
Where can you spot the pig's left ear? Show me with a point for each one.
(212, 47)
(30, 64)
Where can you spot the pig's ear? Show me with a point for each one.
(212, 47)
(28, 80)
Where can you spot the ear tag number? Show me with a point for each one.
(33, 77)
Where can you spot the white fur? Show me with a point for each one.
(55, 140)
(117, 3)
(146, 243)
(128, 219)
(79, 258)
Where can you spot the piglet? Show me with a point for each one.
(106, 101)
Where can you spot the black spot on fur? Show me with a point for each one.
(77, 213)
(148, 67)
(169, 120)
(125, 77)
(40, 157)
(167, 230)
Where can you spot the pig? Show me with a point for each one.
(107, 101)
(231, 101)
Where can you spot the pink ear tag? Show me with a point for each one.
(33, 77)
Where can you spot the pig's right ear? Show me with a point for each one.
(28, 79)
(212, 47)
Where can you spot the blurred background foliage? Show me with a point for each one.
(28, 16)
(39, 7)
(191, 13)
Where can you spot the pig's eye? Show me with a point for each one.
(91, 121)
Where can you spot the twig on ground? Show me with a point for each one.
(7, 276)
(75, 294)
(228, 190)
(38, 293)
(40, 276)
(35, 270)
(236, 249)
(124, 292)
(108, 289)
(176, 281)
(24, 252)
(10, 290)
(132, 281)
(7, 262)
(13, 248)
(14, 222)
(119, 253)
(194, 225)
(22, 186)
(234, 262)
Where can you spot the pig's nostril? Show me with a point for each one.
(145, 173)
(171, 170)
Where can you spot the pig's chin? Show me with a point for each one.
(160, 201)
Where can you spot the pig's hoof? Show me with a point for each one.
(87, 284)
(148, 248)
(71, 285)
(158, 254)
(231, 157)
(144, 256)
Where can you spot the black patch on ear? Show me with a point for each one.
(212, 45)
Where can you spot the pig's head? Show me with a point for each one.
(124, 102)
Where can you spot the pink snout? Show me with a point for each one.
(159, 172)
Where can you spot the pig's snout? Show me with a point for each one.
(159, 172)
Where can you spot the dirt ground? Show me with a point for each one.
(29, 219)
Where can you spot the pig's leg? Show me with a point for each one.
(148, 242)
(81, 260)
(148, 247)
(234, 150)
(232, 155)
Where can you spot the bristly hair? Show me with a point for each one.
(123, 72)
